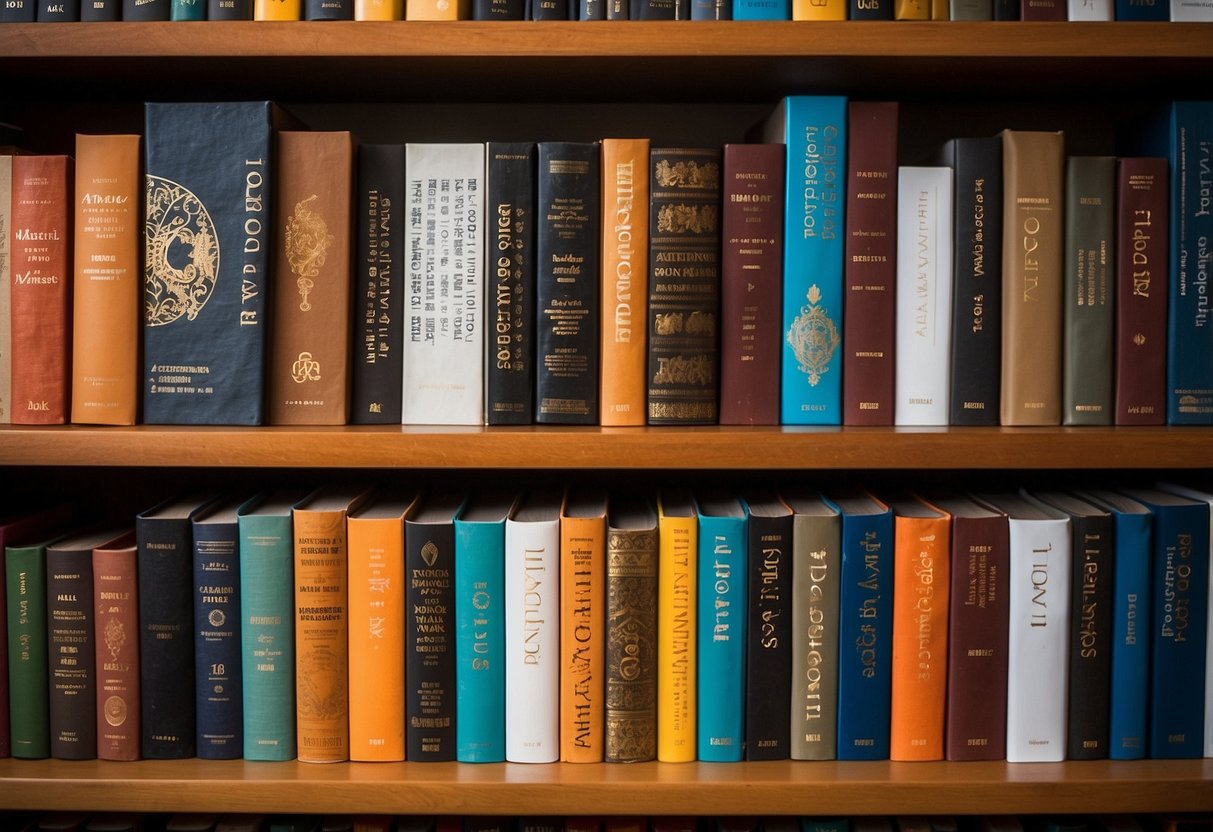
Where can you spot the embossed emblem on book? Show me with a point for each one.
(680, 219)
(307, 244)
(115, 711)
(429, 553)
(115, 637)
(182, 259)
(688, 174)
(813, 338)
(305, 368)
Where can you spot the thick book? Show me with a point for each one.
(924, 296)
(677, 658)
(429, 627)
(377, 371)
(28, 660)
(437, 9)
(814, 129)
(6, 287)
(720, 630)
(116, 622)
(971, 10)
(769, 628)
(583, 625)
(684, 286)
(1043, 10)
(751, 283)
(509, 396)
(277, 9)
(567, 298)
(867, 9)
(762, 10)
(187, 10)
(1143, 10)
(208, 192)
(1090, 10)
(870, 267)
(660, 9)
(379, 10)
(40, 268)
(625, 281)
(829, 9)
(106, 281)
(1090, 272)
(229, 10)
(1032, 277)
(328, 10)
(444, 252)
(816, 559)
(498, 9)
(865, 625)
(19, 11)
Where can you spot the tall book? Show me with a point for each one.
(567, 345)
(437, 9)
(583, 625)
(228, 9)
(105, 281)
(762, 10)
(751, 281)
(19, 11)
(1143, 10)
(870, 268)
(277, 9)
(166, 626)
(814, 130)
(510, 371)
(1090, 270)
(816, 558)
(677, 658)
(209, 187)
(865, 626)
(328, 10)
(824, 9)
(498, 9)
(1038, 596)
(532, 631)
(1043, 10)
(429, 627)
(377, 373)
(321, 558)
(971, 10)
(40, 268)
(1090, 10)
(116, 623)
(625, 281)
(1032, 277)
(379, 10)
(6, 287)
(924, 296)
(28, 660)
(769, 628)
(721, 626)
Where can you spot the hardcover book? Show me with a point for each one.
(762, 10)
(583, 625)
(1089, 10)
(1043, 10)
(677, 660)
(187, 10)
(827, 9)
(769, 643)
(229, 10)
(116, 621)
(277, 9)
(6, 287)
(328, 10)
(1143, 10)
(144, 10)
(437, 9)
(380, 10)
(28, 659)
(19, 11)
(971, 10)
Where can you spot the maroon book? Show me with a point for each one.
(1141, 291)
(1044, 10)
(751, 326)
(869, 304)
(116, 601)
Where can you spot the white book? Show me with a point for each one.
(1089, 10)
(532, 630)
(1191, 11)
(924, 295)
(1038, 638)
(444, 290)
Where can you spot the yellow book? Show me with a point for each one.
(378, 9)
(582, 625)
(912, 9)
(438, 10)
(278, 10)
(678, 533)
(819, 9)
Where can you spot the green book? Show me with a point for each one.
(28, 667)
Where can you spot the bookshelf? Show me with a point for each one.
(678, 82)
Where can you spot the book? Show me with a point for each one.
(567, 272)
(28, 657)
(328, 10)
(187, 10)
(550, 10)
(625, 281)
(229, 10)
(684, 286)
(437, 10)
(1090, 270)
(677, 657)
(1191, 11)
(116, 656)
(769, 642)
(823, 9)
(444, 250)
(869, 10)
(145, 10)
(377, 374)
(379, 10)
(1032, 165)
(870, 267)
(1043, 10)
(1142, 10)
(762, 10)
(660, 9)
(816, 556)
(1090, 10)
(721, 626)
(751, 280)
(6, 287)
(924, 296)
(105, 281)
(971, 10)
(19, 11)
(814, 130)
(532, 630)
(277, 9)
(711, 10)
(583, 625)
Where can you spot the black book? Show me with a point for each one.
(510, 383)
(592, 10)
(58, 11)
(549, 9)
(1007, 10)
(100, 11)
(662, 10)
(498, 9)
(567, 283)
(870, 10)
(19, 11)
(229, 10)
(768, 719)
(328, 10)
(977, 279)
(379, 293)
(617, 9)
(143, 10)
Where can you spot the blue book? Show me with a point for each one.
(711, 9)
(721, 635)
(188, 10)
(762, 10)
(814, 130)
(1178, 623)
(480, 628)
(267, 625)
(1143, 10)
(865, 627)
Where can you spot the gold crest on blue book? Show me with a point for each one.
(182, 258)
(813, 337)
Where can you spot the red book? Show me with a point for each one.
(1044, 10)
(116, 622)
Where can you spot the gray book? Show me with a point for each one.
(971, 10)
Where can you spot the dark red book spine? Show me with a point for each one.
(1044, 10)
(115, 593)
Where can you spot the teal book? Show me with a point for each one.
(188, 10)
(721, 636)
(480, 628)
(762, 10)
(814, 130)
(28, 663)
(267, 625)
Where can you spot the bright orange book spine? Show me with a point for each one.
(107, 281)
(678, 542)
(438, 10)
(583, 627)
(819, 9)
(278, 10)
(378, 9)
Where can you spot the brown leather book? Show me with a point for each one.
(1033, 221)
(870, 271)
(116, 603)
(310, 333)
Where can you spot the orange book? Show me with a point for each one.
(438, 10)
(107, 281)
(378, 9)
(582, 625)
(625, 284)
(278, 10)
(819, 9)
(376, 628)
(921, 551)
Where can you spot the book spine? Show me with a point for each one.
(751, 282)
(217, 649)
(6, 287)
(662, 10)
(769, 641)
(19, 11)
(328, 10)
(28, 662)
(277, 9)
(437, 10)
(618, 9)
(868, 10)
(1090, 637)
(116, 621)
(187, 10)
(1007, 9)
(229, 10)
(677, 661)
(58, 11)
(567, 342)
(583, 639)
(1143, 10)
(711, 10)
(429, 639)
(1130, 687)
(548, 9)
(971, 10)
(631, 645)
(499, 10)
(510, 380)
(1089, 10)
(380, 10)
(815, 587)
(684, 289)
(100, 11)
(912, 9)
(144, 10)
(721, 637)
(70, 644)
(480, 642)
(870, 269)
(762, 9)
(591, 10)
(1043, 10)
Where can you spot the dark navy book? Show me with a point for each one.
(19, 11)
(1143, 10)
(711, 9)
(550, 9)
(328, 10)
(498, 9)
(100, 11)
(58, 11)
(144, 10)
(229, 10)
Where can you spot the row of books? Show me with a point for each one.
(573, 625)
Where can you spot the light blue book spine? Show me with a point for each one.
(762, 10)
(721, 608)
(1130, 642)
(479, 641)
